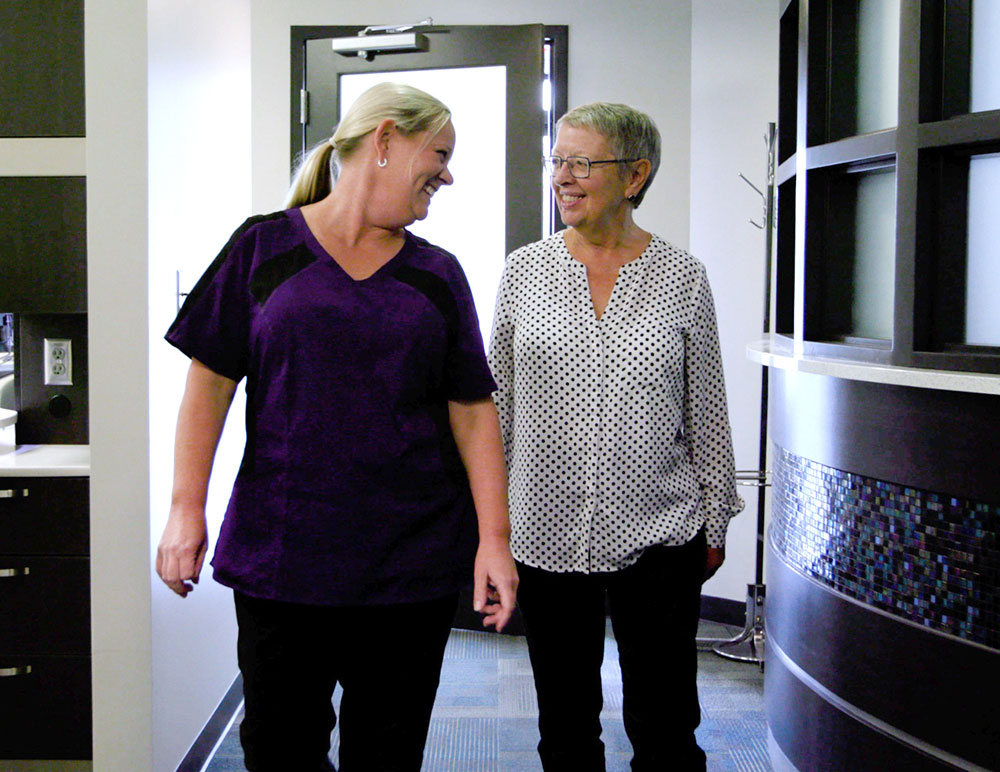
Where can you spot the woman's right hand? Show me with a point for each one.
(207, 396)
(182, 550)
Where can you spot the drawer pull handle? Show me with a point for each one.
(13, 493)
(9, 573)
(11, 672)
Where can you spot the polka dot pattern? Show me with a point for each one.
(616, 430)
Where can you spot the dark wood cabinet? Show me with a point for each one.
(45, 515)
(42, 78)
(46, 713)
(45, 682)
(43, 245)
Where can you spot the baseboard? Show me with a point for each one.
(204, 745)
(724, 610)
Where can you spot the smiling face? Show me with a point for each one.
(419, 165)
(598, 199)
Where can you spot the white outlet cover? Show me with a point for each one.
(58, 362)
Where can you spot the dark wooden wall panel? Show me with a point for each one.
(37, 421)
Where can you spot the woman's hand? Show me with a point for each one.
(182, 551)
(207, 396)
(477, 434)
(495, 591)
(714, 558)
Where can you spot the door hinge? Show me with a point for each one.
(303, 107)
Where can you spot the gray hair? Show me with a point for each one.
(629, 132)
(413, 111)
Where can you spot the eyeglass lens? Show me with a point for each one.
(578, 165)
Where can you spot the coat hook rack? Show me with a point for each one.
(748, 645)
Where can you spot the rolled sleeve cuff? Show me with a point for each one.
(718, 515)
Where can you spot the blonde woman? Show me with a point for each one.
(373, 481)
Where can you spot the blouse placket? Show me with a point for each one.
(583, 310)
(604, 336)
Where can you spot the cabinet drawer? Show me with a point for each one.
(45, 515)
(44, 605)
(45, 708)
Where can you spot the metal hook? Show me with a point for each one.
(759, 191)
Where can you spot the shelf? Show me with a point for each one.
(851, 150)
(780, 352)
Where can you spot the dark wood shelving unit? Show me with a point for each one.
(823, 158)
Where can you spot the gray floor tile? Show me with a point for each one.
(520, 761)
(518, 735)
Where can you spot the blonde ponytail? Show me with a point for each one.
(313, 179)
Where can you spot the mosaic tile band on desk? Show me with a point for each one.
(922, 556)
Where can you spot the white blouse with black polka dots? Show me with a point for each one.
(616, 430)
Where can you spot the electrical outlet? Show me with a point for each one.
(58, 362)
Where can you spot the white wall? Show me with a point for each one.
(734, 94)
(199, 192)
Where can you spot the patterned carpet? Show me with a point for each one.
(484, 717)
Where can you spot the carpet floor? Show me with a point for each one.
(484, 717)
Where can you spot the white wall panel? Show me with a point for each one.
(199, 193)
(734, 94)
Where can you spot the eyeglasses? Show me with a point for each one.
(578, 165)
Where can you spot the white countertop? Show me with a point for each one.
(778, 351)
(41, 460)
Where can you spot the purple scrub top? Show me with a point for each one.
(351, 490)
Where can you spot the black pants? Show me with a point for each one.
(654, 608)
(387, 658)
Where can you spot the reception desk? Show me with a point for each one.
(883, 572)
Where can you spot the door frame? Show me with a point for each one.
(556, 36)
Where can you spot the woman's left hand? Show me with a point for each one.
(495, 591)
(713, 560)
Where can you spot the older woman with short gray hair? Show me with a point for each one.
(613, 413)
